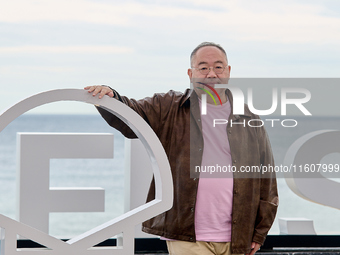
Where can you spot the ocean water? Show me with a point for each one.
(109, 173)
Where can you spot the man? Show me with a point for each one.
(209, 215)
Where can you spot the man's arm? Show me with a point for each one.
(111, 119)
(151, 109)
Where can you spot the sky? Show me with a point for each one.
(142, 47)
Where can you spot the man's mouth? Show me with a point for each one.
(210, 84)
(206, 84)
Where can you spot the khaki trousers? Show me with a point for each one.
(198, 248)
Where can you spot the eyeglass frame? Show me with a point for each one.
(209, 69)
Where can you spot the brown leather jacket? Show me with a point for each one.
(255, 198)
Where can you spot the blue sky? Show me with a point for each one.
(142, 47)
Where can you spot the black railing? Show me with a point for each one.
(274, 243)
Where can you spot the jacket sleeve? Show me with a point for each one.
(268, 194)
(148, 108)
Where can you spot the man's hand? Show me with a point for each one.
(101, 90)
(254, 248)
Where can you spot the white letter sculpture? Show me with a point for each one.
(124, 224)
(35, 198)
(310, 184)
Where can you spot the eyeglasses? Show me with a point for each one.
(218, 69)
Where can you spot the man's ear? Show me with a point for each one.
(190, 73)
(229, 69)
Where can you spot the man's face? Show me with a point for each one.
(205, 58)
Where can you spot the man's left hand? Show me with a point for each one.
(254, 248)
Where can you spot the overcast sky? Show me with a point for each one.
(141, 47)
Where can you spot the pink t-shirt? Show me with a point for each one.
(215, 189)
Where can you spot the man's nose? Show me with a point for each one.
(211, 73)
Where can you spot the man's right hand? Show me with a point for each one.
(99, 89)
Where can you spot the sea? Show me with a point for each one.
(109, 173)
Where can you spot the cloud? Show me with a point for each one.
(113, 13)
(25, 70)
(286, 22)
(18, 11)
(110, 13)
(34, 49)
